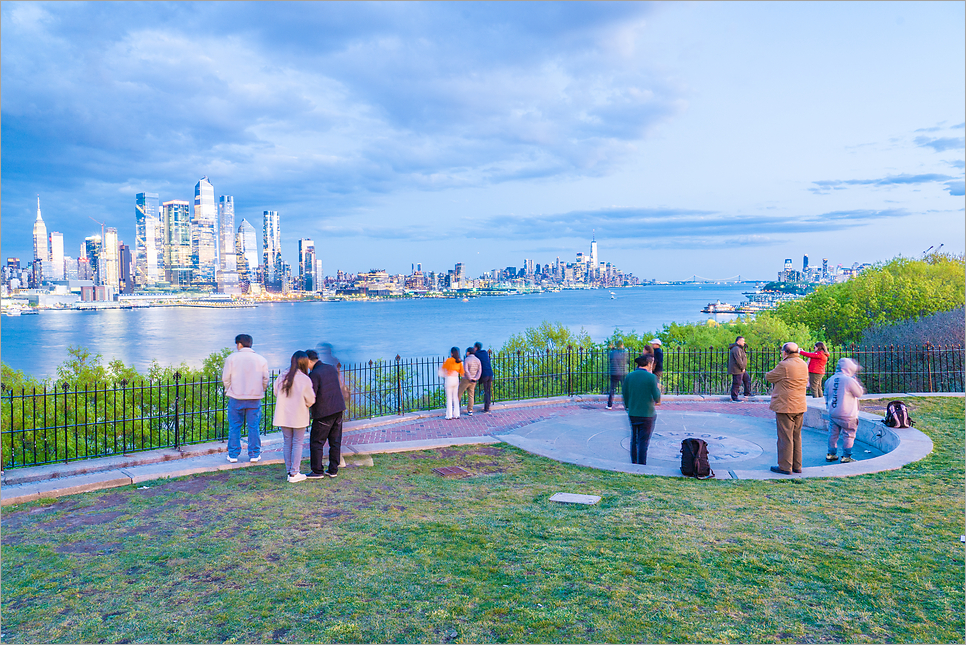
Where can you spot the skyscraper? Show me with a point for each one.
(126, 262)
(204, 234)
(307, 274)
(148, 256)
(177, 243)
(805, 264)
(227, 276)
(41, 249)
(110, 263)
(593, 256)
(271, 250)
(246, 252)
(91, 251)
(56, 256)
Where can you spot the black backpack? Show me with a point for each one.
(897, 415)
(694, 459)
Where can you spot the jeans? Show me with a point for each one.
(848, 438)
(740, 379)
(244, 413)
(614, 381)
(641, 430)
(486, 383)
(468, 386)
(326, 429)
(451, 386)
(293, 438)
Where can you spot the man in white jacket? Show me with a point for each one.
(245, 376)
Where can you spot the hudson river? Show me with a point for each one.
(359, 331)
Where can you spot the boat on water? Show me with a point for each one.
(466, 299)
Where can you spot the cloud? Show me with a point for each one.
(941, 144)
(826, 185)
(956, 188)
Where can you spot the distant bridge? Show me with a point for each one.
(697, 278)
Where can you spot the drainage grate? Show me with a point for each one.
(452, 471)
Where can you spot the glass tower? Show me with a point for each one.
(146, 234)
(177, 242)
(56, 256)
(271, 250)
(204, 234)
(307, 265)
(41, 250)
(228, 268)
(246, 249)
(110, 262)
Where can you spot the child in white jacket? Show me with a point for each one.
(294, 396)
(842, 393)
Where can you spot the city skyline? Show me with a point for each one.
(709, 139)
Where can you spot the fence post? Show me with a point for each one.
(177, 421)
(929, 363)
(399, 401)
(570, 387)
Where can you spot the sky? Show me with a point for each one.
(709, 139)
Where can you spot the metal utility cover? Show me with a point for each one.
(451, 471)
(573, 498)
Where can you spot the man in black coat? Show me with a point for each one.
(326, 417)
(486, 376)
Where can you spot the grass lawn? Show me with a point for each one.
(395, 553)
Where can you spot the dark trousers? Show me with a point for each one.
(641, 430)
(740, 379)
(614, 380)
(789, 440)
(326, 429)
(486, 383)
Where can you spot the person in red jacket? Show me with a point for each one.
(816, 368)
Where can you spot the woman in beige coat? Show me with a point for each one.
(294, 396)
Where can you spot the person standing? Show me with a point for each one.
(842, 393)
(327, 415)
(790, 377)
(658, 359)
(816, 368)
(617, 368)
(245, 377)
(641, 394)
(294, 397)
(472, 368)
(451, 371)
(737, 367)
(486, 375)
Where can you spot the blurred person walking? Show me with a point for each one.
(451, 371)
(617, 368)
(842, 392)
(294, 397)
(790, 377)
(658, 359)
(486, 375)
(472, 368)
(816, 368)
(327, 415)
(245, 377)
(641, 394)
(737, 367)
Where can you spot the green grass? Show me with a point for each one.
(395, 553)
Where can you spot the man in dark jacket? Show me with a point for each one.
(737, 367)
(326, 417)
(486, 376)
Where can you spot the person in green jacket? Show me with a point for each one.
(641, 394)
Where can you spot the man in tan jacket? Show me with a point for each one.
(790, 377)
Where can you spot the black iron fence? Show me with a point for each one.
(63, 422)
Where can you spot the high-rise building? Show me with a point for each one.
(109, 263)
(593, 256)
(204, 234)
(126, 261)
(307, 265)
(227, 276)
(805, 265)
(56, 256)
(177, 242)
(271, 250)
(148, 254)
(824, 268)
(246, 252)
(91, 251)
(71, 269)
(41, 248)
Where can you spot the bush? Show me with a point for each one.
(944, 329)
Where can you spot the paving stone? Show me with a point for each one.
(574, 498)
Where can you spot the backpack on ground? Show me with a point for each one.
(897, 415)
(694, 459)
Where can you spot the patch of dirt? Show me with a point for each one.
(88, 547)
(446, 453)
(79, 520)
(110, 500)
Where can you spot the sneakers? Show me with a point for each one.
(297, 477)
(847, 460)
(332, 475)
(470, 413)
(609, 407)
(315, 475)
(232, 460)
(254, 459)
(831, 457)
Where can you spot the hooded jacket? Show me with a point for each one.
(842, 392)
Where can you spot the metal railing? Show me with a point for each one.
(63, 422)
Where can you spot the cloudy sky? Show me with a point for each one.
(713, 139)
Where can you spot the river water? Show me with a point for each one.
(359, 331)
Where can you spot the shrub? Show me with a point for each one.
(944, 329)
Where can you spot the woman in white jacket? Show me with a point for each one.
(294, 396)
